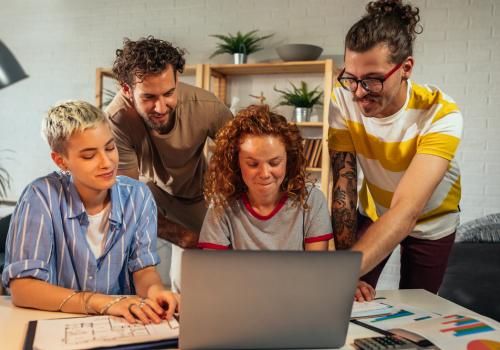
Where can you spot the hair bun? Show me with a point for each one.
(395, 8)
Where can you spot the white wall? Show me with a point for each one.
(61, 42)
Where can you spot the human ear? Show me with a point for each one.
(407, 67)
(127, 90)
(58, 159)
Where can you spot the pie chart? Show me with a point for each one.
(483, 345)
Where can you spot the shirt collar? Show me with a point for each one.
(75, 204)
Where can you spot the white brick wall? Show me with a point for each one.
(60, 43)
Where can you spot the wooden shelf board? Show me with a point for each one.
(314, 124)
(270, 68)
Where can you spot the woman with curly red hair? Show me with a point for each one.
(257, 191)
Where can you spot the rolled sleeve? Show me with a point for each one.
(38, 269)
(143, 252)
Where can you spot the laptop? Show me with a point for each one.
(239, 299)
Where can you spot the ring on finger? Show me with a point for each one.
(130, 307)
(142, 303)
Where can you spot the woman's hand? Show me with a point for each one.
(364, 292)
(134, 308)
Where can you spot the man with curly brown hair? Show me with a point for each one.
(161, 126)
(404, 136)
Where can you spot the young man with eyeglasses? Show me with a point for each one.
(404, 137)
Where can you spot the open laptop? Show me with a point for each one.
(266, 299)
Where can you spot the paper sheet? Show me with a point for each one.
(369, 308)
(459, 332)
(98, 331)
(399, 316)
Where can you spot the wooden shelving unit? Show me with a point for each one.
(216, 77)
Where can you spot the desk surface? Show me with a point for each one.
(14, 320)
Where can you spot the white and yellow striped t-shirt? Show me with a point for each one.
(429, 123)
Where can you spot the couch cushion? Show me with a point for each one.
(472, 278)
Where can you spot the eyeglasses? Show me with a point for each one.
(368, 84)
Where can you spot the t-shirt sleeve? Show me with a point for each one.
(339, 137)
(214, 231)
(143, 252)
(30, 240)
(443, 136)
(124, 144)
(318, 225)
(220, 116)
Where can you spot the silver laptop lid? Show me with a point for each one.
(266, 299)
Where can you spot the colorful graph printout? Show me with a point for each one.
(462, 325)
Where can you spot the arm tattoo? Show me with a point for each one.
(344, 199)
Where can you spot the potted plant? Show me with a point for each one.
(301, 98)
(4, 182)
(239, 45)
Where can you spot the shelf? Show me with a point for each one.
(309, 124)
(216, 79)
(269, 68)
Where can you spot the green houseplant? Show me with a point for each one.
(301, 98)
(4, 182)
(239, 45)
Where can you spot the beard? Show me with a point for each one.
(160, 128)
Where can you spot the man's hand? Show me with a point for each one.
(364, 292)
(176, 234)
(166, 299)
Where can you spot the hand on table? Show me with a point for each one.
(364, 292)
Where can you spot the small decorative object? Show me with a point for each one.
(260, 97)
(235, 101)
(301, 98)
(299, 52)
(239, 45)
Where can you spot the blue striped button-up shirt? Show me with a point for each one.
(47, 237)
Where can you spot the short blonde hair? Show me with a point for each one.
(66, 118)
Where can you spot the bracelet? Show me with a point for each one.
(65, 300)
(111, 303)
(88, 309)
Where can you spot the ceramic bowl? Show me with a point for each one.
(299, 52)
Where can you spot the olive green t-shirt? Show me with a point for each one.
(174, 161)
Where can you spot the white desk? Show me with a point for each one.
(14, 320)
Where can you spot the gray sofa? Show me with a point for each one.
(472, 278)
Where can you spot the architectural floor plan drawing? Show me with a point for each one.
(96, 331)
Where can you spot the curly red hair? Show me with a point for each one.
(223, 180)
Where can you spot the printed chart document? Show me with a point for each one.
(98, 331)
(369, 308)
(459, 332)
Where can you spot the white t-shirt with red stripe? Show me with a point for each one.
(287, 227)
